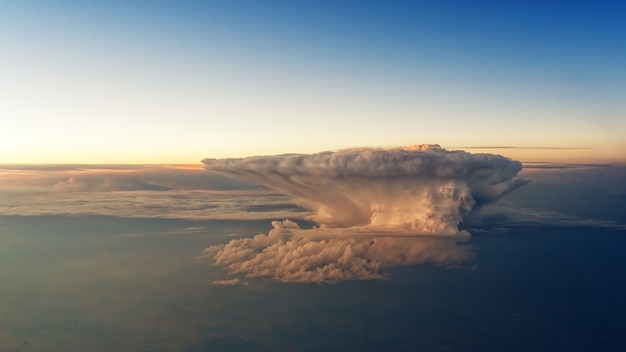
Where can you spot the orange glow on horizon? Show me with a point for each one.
(184, 166)
(555, 155)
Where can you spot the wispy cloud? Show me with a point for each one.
(183, 204)
(505, 216)
(111, 178)
(516, 147)
(135, 191)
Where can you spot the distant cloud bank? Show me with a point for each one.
(136, 191)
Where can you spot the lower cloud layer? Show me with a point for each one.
(290, 254)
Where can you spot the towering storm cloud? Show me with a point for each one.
(363, 200)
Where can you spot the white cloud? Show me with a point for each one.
(230, 282)
(376, 208)
(290, 254)
(149, 191)
(181, 204)
(100, 183)
(425, 189)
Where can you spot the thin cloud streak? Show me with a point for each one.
(516, 147)
(506, 217)
(143, 191)
(180, 204)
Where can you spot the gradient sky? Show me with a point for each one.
(178, 81)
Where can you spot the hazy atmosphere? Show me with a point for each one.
(312, 176)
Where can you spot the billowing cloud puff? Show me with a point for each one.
(408, 203)
(290, 254)
(230, 282)
(423, 190)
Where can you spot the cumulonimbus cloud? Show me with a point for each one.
(365, 199)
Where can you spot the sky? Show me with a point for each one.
(167, 82)
(174, 173)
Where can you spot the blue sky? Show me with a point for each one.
(168, 82)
